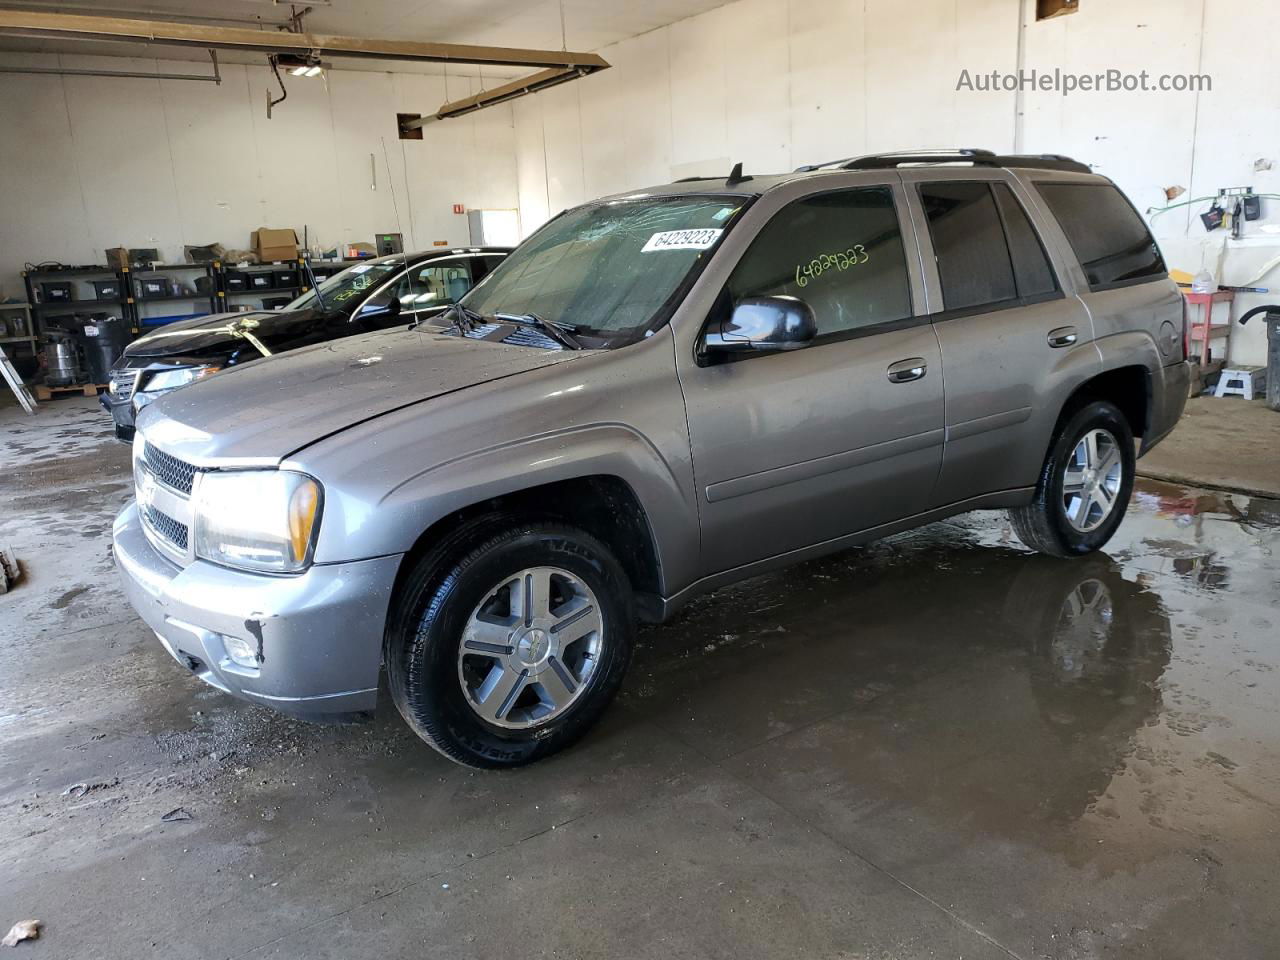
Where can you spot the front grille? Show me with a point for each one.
(173, 473)
(167, 527)
(122, 384)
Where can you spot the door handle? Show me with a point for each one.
(904, 371)
(1063, 337)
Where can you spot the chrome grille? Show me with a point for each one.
(167, 527)
(123, 383)
(173, 473)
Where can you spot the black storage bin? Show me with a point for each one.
(322, 273)
(236, 280)
(150, 288)
(285, 279)
(103, 340)
(204, 285)
(275, 303)
(56, 291)
(261, 281)
(106, 289)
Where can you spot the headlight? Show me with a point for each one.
(177, 377)
(261, 520)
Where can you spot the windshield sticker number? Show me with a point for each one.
(682, 240)
(841, 260)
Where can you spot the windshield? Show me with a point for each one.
(352, 284)
(607, 269)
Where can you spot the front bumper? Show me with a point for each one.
(122, 416)
(318, 634)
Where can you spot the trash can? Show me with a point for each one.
(103, 340)
(1271, 317)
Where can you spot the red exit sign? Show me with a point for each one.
(459, 208)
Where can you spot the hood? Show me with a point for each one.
(264, 411)
(209, 336)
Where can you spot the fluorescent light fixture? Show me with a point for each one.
(312, 71)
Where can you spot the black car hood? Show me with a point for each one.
(213, 337)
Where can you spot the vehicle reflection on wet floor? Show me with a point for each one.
(936, 745)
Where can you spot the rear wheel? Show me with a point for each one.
(507, 643)
(1084, 488)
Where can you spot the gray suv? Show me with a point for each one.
(656, 394)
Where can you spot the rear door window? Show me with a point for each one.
(840, 252)
(1031, 270)
(969, 244)
(1109, 238)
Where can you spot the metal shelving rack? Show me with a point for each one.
(76, 306)
(209, 271)
(28, 336)
(225, 295)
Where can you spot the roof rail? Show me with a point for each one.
(968, 153)
(976, 157)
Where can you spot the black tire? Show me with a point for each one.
(1042, 524)
(431, 611)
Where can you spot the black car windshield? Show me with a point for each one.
(349, 287)
(607, 269)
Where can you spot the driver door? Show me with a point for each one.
(423, 291)
(794, 449)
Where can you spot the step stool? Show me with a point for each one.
(1247, 382)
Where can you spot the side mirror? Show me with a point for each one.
(389, 309)
(764, 324)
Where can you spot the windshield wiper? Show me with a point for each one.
(464, 319)
(562, 333)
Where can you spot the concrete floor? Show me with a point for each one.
(1228, 444)
(936, 746)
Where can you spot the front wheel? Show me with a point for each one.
(508, 645)
(1084, 488)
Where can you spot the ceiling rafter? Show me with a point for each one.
(553, 66)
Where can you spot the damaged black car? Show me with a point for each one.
(372, 295)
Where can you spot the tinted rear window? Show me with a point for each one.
(969, 244)
(1030, 263)
(1111, 241)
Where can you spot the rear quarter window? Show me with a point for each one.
(1109, 238)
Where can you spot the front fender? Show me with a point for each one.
(603, 449)
(618, 414)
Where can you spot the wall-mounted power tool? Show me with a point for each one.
(1241, 204)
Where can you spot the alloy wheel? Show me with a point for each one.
(1091, 480)
(530, 648)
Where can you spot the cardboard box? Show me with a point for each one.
(118, 258)
(272, 245)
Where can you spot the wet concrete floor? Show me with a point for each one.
(936, 746)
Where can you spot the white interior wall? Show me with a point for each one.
(779, 83)
(88, 163)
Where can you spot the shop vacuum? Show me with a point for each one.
(62, 361)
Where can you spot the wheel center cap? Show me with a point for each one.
(534, 646)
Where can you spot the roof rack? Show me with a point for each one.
(974, 156)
